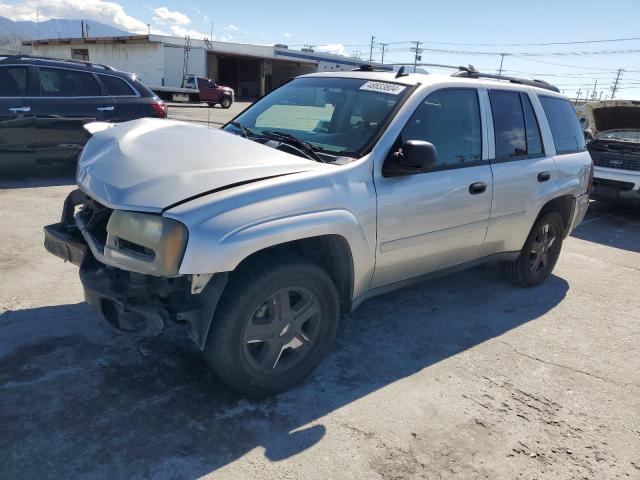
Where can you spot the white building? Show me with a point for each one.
(251, 70)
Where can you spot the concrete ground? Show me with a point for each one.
(203, 114)
(465, 377)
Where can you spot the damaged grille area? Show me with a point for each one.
(95, 216)
(615, 156)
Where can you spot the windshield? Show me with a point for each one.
(626, 135)
(338, 116)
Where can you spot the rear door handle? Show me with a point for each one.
(544, 176)
(477, 188)
(20, 109)
(105, 109)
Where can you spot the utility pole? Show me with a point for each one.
(418, 51)
(371, 48)
(502, 55)
(384, 47)
(614, 89)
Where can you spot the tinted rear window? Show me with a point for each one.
(58, 82)
(565, 128)
(13, 81)
(508, 124)
(116, 86)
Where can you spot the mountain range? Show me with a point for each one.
(55, 28)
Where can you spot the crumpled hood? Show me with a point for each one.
(150, 164)
(614, 115)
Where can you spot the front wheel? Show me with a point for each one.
(273, 328)
(539, 254)
(225, 102)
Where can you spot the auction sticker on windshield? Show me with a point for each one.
(392, 88)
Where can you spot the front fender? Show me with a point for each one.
(205, 255)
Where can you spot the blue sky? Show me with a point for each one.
(347, 26)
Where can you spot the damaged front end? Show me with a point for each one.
(129, 268)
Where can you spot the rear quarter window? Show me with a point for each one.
(116, 86)
(565, 127)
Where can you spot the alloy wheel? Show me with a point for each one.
(543, 248)
(282, 330)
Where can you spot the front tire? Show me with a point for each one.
(273, 327)
(225, 102)
(539, 254)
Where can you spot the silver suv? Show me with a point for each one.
(334, 188)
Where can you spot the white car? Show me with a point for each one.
(615, 150)
(332, 189)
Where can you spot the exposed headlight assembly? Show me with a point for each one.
(145, 243)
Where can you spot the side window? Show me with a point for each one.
(13, 81)
(534, 139)
(508, 125)
(116, 86)
(58, 82)
(565, 128)
(450, 119)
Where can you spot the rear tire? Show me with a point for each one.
(273, 327)
(539, 254)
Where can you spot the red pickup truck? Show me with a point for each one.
(197, 89)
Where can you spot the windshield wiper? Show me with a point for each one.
(246, 131)
(308, 148)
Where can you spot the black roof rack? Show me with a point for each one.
(368, 67)
(521, 81)
(13, 58)
(469, 68)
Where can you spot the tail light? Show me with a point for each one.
(159, 108)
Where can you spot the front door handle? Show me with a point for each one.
(105, 109)
(20, 109)
(477, 188)
(544, 176)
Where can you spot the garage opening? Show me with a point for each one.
(252, 77)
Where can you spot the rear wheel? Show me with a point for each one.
(225, 102)
(539, 254)
(273, 327)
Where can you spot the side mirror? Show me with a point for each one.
(417, 156)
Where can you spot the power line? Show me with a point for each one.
(536, 54)
(576, 42)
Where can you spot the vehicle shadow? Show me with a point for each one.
(79, 399)
(34, 176)
(612, 225)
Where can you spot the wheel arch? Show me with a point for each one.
(331, 252)
(565, 205)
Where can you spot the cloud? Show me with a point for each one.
(337, 48)
(287, 35)
(109, 13)
(180, 31)
(231, 28)
(164, 15)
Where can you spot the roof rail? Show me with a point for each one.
(13, 58)
(521, 81)
(368, 67)
(469, 68)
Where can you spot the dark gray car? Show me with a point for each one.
(45, 102)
